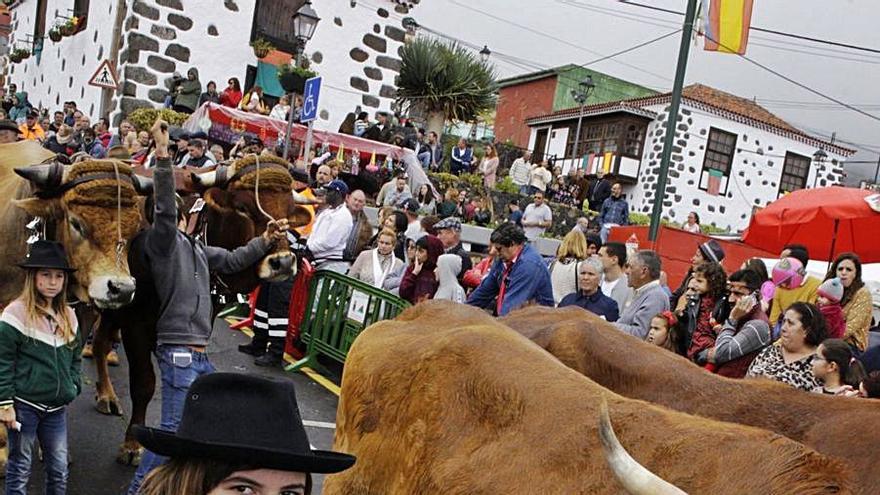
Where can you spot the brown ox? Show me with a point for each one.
(446, 400)
(834, 426)
(230, 219)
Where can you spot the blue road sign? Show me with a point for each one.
(310, 99)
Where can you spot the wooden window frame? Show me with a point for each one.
(787, 172)
(704, 169)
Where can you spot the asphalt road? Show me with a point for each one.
(95, 438)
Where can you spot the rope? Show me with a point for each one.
(120, 242)
(257, 192)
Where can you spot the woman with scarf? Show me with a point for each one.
(373, 266)
(419, 281)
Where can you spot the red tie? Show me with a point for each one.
(504, 274)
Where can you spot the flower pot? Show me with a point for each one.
(55, 35)
(67, 30)
(292, 82)
(14, 58)
(261, 52)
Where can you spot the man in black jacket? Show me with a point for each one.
(599, 191)
(449, 232)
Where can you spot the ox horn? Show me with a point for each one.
(46, 176)
(143, 185)
(635, 478)
(217, 177)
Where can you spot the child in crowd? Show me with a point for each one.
(837, 368)
(662, 330)
(40, 369)
(448, 267)
(828, 299)
(705, 289)
(870, 386)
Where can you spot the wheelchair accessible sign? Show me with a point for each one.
(311, 93)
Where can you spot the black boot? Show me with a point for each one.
(269, 359)
(255, 348)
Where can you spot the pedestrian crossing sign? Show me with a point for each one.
(105, 76)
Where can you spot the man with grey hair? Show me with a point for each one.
(590, 297)
(648, 300)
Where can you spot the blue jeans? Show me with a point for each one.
(51, 431)
(425, 159)
(176, 379)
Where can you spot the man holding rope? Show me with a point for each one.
(180, 267)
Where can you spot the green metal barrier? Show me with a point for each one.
(339, 308)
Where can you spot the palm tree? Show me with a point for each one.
(445, 81)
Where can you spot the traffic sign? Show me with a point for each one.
(310, 99)
(105, 77)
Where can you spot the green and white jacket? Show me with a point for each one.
(37, 367)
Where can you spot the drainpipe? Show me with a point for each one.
(113, 56)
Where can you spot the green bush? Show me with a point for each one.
(473, 181)
(144, 118)
(506, 185)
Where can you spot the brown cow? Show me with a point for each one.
(230, 219)
(446, 400)
(834, 426)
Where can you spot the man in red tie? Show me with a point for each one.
(518, 276)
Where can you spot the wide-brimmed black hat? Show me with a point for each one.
(47, 254)
(247, 419)
(9, 125)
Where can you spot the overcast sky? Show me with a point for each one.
(588, 29)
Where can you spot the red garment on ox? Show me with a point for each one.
(827, 220)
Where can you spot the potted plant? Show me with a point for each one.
(68, 28)
(293, 77)
(18, 54)
(261, 47)
(55, 34)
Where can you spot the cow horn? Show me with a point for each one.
(635, 478)
(143, 185)
(47, 176)
(217, 177)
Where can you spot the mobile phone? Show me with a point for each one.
(181, 359)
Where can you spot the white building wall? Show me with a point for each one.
(754, 177)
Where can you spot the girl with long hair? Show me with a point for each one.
(856, 301)
(836, 366)
(40, 372)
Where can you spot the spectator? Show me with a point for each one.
(828, 297)
(693, 223)
(461, 207)
(60, 142)
(347, 125)
(69, 113)
(431, 155)
(598, 191)
(253, 101)
(792, 282)
(643, 274)
(425, 197)
(449, 233)
(323, 176)
(399, 194)
(447, 207)
(297, 108)
(361, 124)
(694, 310)
(40, 369)
(188, 92)
(419, 281)
(218, 152)
(756, 265)
(461, 158)
(539, 177)
(856, 301)
(20, 109)
(615, 211)
(837, 369)
(709, 251)
(57, 121)
(537, 218)
(559, 193)
(516, 214)
(7, 98)
(519, 172)
(400, 223)
(489, 166)
(392, 282)
(31, 129)
(231, 96)
(448, 269)
(210, 95)
(102, 132)
(745, 332)
(577, 187)
(588, 296)
(124, 128)
(662, 331)
(482, 211)
(380, 130)
(91, 145)
(196, 155)
(281, 109)
(791, 362)
(331, 230)
(594, 243)
(9, 132)
(271, 457)
(473, 277)
(870, 386)
(374, 266)
(564, 274)
(517, 277)
(361, 230)
(411, 210)
(271, 311)
(614, 281)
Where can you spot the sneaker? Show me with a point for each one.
(269, 360)
(253, 350)
(113, 358)
(87, 351)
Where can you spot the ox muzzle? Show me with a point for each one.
(111, 292)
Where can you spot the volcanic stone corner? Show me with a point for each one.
(171, 4)
(178, 52)
(359, 84)
(160, 64)
(373, 73)
(140, 75)
(145, 10)
(376, 43)
(181, 22)
(389, 63)
(163, 32)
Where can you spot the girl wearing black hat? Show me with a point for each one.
(39, 369)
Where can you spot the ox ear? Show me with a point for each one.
(36, 207)
(219, 199)
(143, 185)
(298, 215)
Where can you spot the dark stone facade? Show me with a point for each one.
(181, 22)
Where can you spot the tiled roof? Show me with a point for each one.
(711, 100)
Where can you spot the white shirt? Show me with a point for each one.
(330, 233)
(607, 286)
(536, 214)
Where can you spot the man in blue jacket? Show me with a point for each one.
(518, 276)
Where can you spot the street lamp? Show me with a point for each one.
(580, 95)
(819, 157)
(485, 53)
(305, 20)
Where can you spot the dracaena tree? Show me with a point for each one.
(444, 81)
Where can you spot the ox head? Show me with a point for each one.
(231, 195)
(96, 215)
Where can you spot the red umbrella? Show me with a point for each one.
(827, 220)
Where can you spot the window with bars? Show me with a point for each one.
(273, 21)
(81, 11)
(720, 148)
(626, 136)
(795, 171)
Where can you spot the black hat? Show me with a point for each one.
(410, 205)
(299, 175)
(211, 426)
(9, 125)
(47, 254)
(712, 251)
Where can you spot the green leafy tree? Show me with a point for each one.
(445, 81)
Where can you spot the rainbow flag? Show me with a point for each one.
(726, 25)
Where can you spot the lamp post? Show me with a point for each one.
(819, 157)
(305, 20)
(580, 95)
(485, 53)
